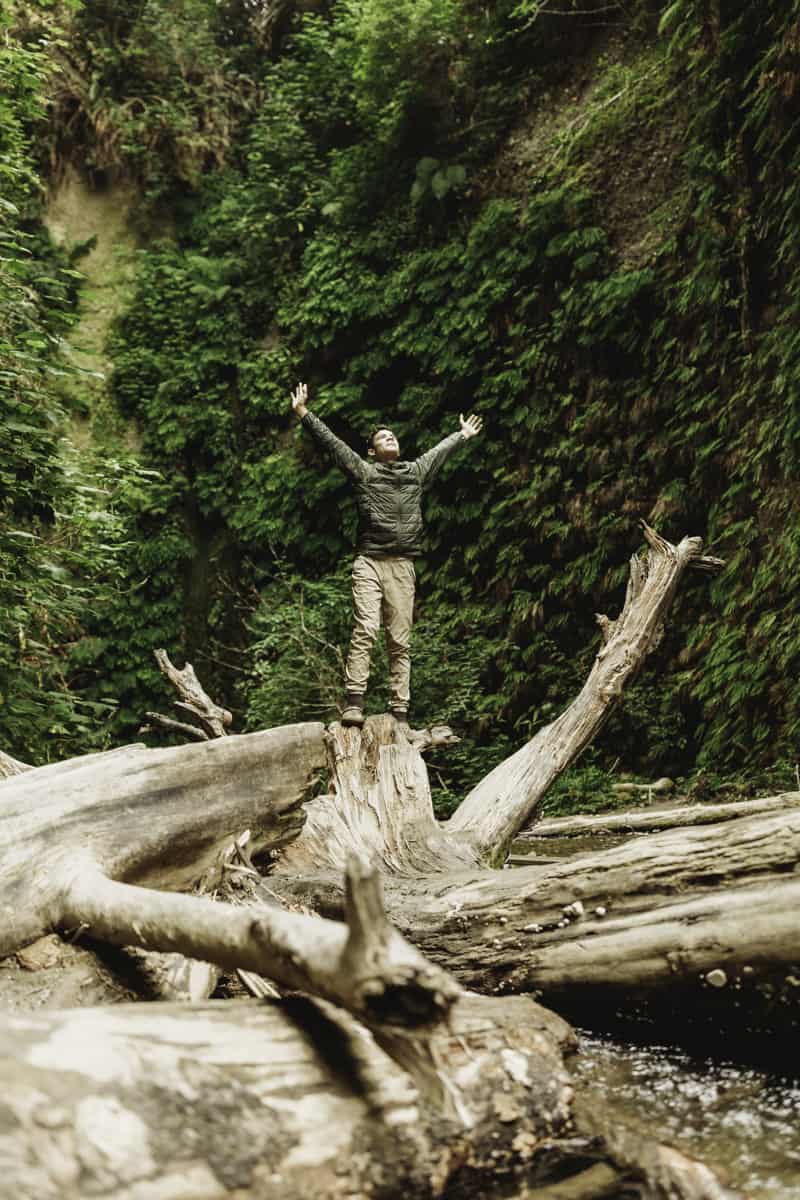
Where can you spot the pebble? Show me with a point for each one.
(717, 978)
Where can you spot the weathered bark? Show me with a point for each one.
(649, 820)
(663, 914)
(154, 817)
(507, 798)
(365, 967)
(295, 1100)
(258, 1100)
(11, 766)
(379, 805)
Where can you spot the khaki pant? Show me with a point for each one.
(382, 587)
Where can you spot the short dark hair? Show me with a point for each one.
(376, 429)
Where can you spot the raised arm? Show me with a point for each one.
(430, 463)
(345, 458)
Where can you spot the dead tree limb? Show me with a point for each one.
(194, 701)
(172, 726)
(365, 966)
(507, 798)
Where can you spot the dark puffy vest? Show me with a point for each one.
(388, 495)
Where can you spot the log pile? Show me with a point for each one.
(373, 1073)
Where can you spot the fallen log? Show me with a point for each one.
(289, 1099)
(154, 817)
(702, 918)
(294, 1099)
(74, 844)
(648, 820)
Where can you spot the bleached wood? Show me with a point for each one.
(364, 966)
(9, 767)
(172, 726)
(194, 700)
(648, 820)
(379, 805)
(676, 905)
(294, 1099)
(506, 799)
(155, 817)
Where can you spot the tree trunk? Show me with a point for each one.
(294, 1099)
(649, 820)
(154, 817)
(693, 918)
(701, 916)
(507, 799)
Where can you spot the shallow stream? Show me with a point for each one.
(742, 1121)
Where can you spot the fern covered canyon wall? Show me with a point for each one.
(580, 220)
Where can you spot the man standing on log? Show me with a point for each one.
(389, 500)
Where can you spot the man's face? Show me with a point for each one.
(385, 446)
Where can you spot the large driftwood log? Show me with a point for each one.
(294, 1099)
(154, 817)
(291, 1099)
(704, 915)
(648, 820)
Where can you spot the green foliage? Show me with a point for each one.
(618, 299)
(599, 379)
(158, 91)
(62, 532)
(584, 789)
(437, 178)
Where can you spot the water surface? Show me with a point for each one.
(744, 1122)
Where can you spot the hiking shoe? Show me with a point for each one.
(354, 711)
(399, 714)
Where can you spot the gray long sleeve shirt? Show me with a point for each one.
(388, 494)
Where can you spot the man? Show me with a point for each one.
(389, 500)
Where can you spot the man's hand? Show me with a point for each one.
(299, 398)
(471, 426)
